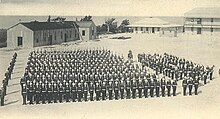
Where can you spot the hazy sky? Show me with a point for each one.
(102, 7)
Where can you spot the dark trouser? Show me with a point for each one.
(152, 92)
(103, 94)
(24, 95)
(60, 97)
(91, 95)
(85, 95)
(67, 96)
(146, 92)
(184, 90)
(49, 97)
(37, 97)
(122, 93)
(79, 96)
(168, 91)
(74, 96)
(174, 90)
(128, 92)
(55, 96)
(190, 89)
(133, 93)
(196, 89)
(110, 94)
(158, 91)
(163, 91)
(31, 94)
(116, 94)
(140, 92)
(211, 76)
(97, 95)
(2, 100)
(205, 80)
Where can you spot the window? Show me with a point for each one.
(61, 35)
(136, 28)
(212, 20)
(211, 29)
(158, 29)
(37, 40)
(192, 29)
(147, 29)
(83, 32)
(141, 28)
(20, 41)
(199, 21)
(70, 34)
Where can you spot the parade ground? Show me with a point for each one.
(203, 50)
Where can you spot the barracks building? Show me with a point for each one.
(204, 20)
(34, 34)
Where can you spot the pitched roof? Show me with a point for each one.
(152, 22)
(85, 24)
(204, 12)
(36, 26)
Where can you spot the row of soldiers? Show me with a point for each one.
(87, 75)
(6, 79)
(176, 67)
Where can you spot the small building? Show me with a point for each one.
(203, 20)
(155, 25)
(34, 34)
(87, 30)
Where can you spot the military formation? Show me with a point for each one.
(6, 79)
(178, 69)
(89, 75)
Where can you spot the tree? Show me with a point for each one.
(122, 27)
(111, 25)
(87, 18)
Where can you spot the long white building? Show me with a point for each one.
(203, 21)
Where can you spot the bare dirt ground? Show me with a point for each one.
(200, 49)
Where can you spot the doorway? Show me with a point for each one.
(50, 39)
(20, 41)
(153, 30)
(65, 37)
(199, 30)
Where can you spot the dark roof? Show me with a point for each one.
(36, 26)
(204, 12)
(85, 24)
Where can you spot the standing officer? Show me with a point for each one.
(103, 90)
(140, 88)
(110, 88)
(134, 87)
(205, 77)
(49, 92)
(184, 85)
(152, 85)
(196, 85)
(97, 90)
(190, 84)
(163, 87)
(67, 92)
(79, 91)
(122, 88)
(55, 92)
(146, 87)
(30, 92)
(91, 90)
(174, 85)
(85, 91)
(158, 89)
(73, 91)
(37, 91)
(116, 89)
(61, 91)
(2, 96)
(168, 87)
(128, 89)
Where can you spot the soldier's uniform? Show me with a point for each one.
(37, 92)
(30, 92)
(128, 89)
(134, 88)
(91, 91)
(85, 91)
(163, 87)
(146, 87)
(55, 92)
(190, 84)
(158, 89)
(140, 88)
(103, 90)
(152, 86)
(97, 91)
(110, 88)
(2, 96)
(79, 91)
(61, 92)
(174, 85)
(73, 91)
(116, 89)
(196, 85)
(49, 92)
(205, 77)
(168, 87)
(184, 85)
(122, 89)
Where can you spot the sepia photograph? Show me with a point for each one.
(109, 59)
